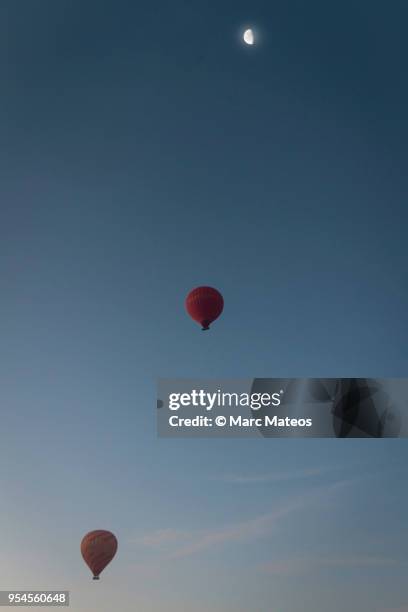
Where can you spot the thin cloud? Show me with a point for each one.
(275, 476)
(162, 537)
(305, 473)
(176, 544)
(238, 532)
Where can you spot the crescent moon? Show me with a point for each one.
(249, 37)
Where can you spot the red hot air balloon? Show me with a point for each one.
(98, 549)
(204, 305)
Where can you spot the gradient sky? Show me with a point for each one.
(145, 151)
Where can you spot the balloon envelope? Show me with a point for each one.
(204, 305)
(98, 549)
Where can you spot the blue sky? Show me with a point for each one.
(147, 151)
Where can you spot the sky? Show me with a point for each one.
(145, 151)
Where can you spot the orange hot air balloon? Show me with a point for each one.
(98, 549)
(204, 305)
